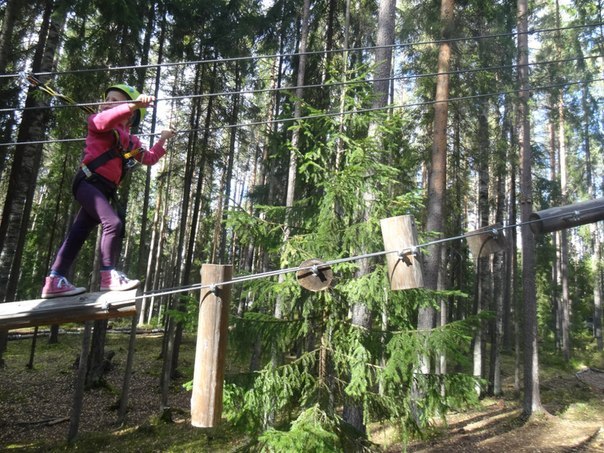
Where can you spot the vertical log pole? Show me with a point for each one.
(400, 234)
(210, 352)
(128, 371)
(78, 396)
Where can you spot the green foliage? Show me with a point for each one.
(328, 362)
(265, 227)
(266, 329)
(275, 389)
(313, 430)
(187, 312)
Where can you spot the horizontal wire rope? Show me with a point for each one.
(316, 52)
(412, 249)
(155, 293)
(318, 85)
(332, 114)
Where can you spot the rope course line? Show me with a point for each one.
(413, 249)
(316, 52)
(331, 114)
(88, 105)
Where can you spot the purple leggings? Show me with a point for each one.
(95, 209)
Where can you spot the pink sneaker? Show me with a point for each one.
(116, 281)
(56, 286)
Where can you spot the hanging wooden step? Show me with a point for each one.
(405, 268)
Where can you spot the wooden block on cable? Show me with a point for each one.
(59, 310)
(405, 268)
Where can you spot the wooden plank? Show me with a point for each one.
(80, 308)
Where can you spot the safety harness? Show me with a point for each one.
(116, 151)
(109, 188)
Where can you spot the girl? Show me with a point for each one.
(109, 153)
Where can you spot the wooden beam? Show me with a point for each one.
(59, 310)
(563, 217)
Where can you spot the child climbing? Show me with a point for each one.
(108, 155)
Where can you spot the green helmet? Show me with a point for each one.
(132, 93)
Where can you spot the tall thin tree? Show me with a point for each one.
(438, 166)
(532, 396)
(361, 313)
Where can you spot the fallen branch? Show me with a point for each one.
(47, 421)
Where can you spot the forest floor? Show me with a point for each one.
(35, 405)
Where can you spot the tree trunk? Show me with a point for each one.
(185, 232)
(565, 299)
(230, 159)
(361, 314)
(26, 163)
(513, 334)
(438, 168)
(24, 172)
(98, 361)
(500, 282)
(293, 165)
(532, 397)
(593, 227)
(510, 251)
(482, 262)
(342, 124)
(143, 247)
(200, 179)
(11, 12)
(353, 413)
(295, 143)
(555, 268)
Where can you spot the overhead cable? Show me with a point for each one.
(316, 52)
(88, 105)
(334, 114)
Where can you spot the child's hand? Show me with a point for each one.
(166, 134)
(143, 101)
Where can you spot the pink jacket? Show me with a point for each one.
(101, 138)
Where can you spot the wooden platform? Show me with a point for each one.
(80, 308)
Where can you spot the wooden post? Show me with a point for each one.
(404, 269)
(78, 395)
(210, 352)
(127, 373)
